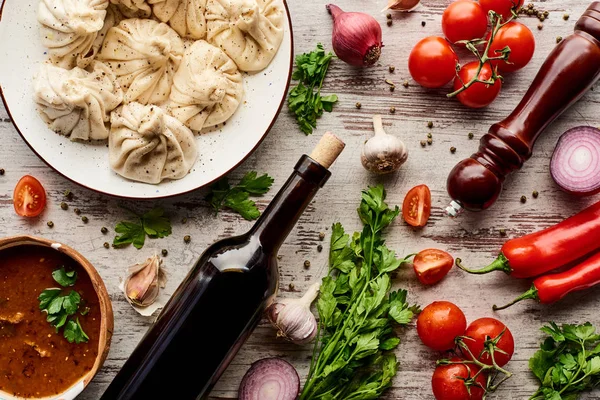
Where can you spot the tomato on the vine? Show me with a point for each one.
(439, 324)
(431, 265)
(432, 62)
(29, 197)
(416, 207)
(479, 94)
(502, 7)
(521, 42)
(464, 20)
(449, 382)
(489, 329)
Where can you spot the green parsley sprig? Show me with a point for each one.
(153, 224)
(357, 312)
(222, 194)
(568, 362)
(59, 307)
(305, 99)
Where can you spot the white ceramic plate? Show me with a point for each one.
(21, 52)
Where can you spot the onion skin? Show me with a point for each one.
(575, 164)
(258, 382)
(356, 37)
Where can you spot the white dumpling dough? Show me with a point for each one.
(207, 88)
(75, 102)
(70, 28)
(148, 145)
(185, 16)
(133, 8)
(249, 31)
(144, 55)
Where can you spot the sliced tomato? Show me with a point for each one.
(416, 208)
(432, 265)
(29, 197)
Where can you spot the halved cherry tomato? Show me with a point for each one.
(29, 197)
(439, 324)
(464, 20)
(521, 42)
(479, 95)
(432, 265)
(502, 7)
(416, 207)
(449, 382)
(489, 329)
(432, 62)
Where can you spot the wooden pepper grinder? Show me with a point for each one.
(570, 70)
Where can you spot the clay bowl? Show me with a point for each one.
(106, 312)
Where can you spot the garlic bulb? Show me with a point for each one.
(143, 284)
(383, 153)
(293, 317)
(402, 5)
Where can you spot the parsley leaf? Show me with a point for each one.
(305, 99)
(237, 198)
(64, 278)
(74, 333)
(154, 224)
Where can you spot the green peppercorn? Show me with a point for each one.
(104, 230)
(50, 224)
(423, 143)
(566, 17)
(106, 245)
(64, 206)
(559, 39)
(530, 6)
(358, 105)
(430, 141)
(68, 194)
(319, 248)
(542, 18)
(540, 26)
(530, 12)
(2, 171)
(392, 88)
(535, 194)
(85, 219)
(392, 68)
(292, 286)
(184, 221)
(405, 84)
(452, 149)
(546, 13)
(430, 124)
(523, 199)
(164, 252)
(502, 232)
(321, 236)
(429, 136)
(471, 135)
(389, 22)
(306, 264)
(77, 211)
(187, 238)
(392, 110)
(389, 16)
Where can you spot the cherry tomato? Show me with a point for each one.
(432, 62)
(464, 20)
(484, 329)
(449, 382)
(521, 42)
(502, 7)
(439, 324)
(479, 95)
(29, 197)
(432, 265)
(416, 207)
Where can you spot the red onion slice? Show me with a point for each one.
(575, 165)
(270, 379)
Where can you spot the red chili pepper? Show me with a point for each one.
(551, 248)
(551, 288)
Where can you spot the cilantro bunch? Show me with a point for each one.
(357, 312)
(568, 362)
(305, 99)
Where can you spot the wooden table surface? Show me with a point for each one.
(474, 237)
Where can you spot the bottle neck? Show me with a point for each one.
(285, 209)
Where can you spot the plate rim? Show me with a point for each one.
(168, 196)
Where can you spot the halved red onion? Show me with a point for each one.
(270, 379)
(575, 165)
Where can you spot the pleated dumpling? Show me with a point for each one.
(207, 88)
(75, 102)
(249, 31)
(144, 55)
(70, 28)
(147, 145)
(185, 16)
(133, 8)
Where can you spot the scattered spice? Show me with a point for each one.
(64, 206)
(429, 136)
(292, 286)
(319, 248)
(104, 230)
(358, 105)
(390, 22)
(423, 23)
(392, 85)
(540, 26)
(471, 135)
(321, 236)
(77, 211)
(405, 84)
(392, 110)
(430, 124)
(85, 219)
(559, 39)
(542, 18)
(306, 264)
(50, 224)
(546, 13)
(523, 199)
(187, 238)
(184, 221)
(392, 68)
(2, 171)
(68, 194)
(423, 143)
(502, 232)
(452, 149)
(430, 141)
(165, 252)
(389, 16)
(566, 17)
(106, 245)
(535, 194)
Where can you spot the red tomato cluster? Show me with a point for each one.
(440, 325)
(433, 62)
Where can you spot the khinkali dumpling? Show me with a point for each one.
(75, 102)
(250, 31)
(185, 16)
(144, 55)
(147, 145)
(133, 8)
(207, 88)
(70, 29)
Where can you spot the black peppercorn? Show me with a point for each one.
(187, 238)
(104, 230)
(77, 211)
(321, 235)
(471, 135)
(2, 171)
(64, 206)
(319, 248)
(423, 143)
(164, 252)
(358, 105)
(184, 220)
(430, 124)
(392, 110)
(430, 141)
(452, 149)
(392, 68)
(423, 23)
(523, 199)
(535, 194)
(306, 264)
(405, 84)
(85, 219)
(50, 224)
(106, 245)
(389, 22)
(502, 232)
(292, 286)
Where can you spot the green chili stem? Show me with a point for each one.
(499, 264)
(531, 294)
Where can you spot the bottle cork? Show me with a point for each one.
(328, 149)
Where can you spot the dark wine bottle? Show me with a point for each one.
(222, 299)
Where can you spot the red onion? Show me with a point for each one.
(356, 37)
(270, 379)
(575, 165)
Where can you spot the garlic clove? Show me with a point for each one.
(402, 5)
(383, 153)
(142, 285)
